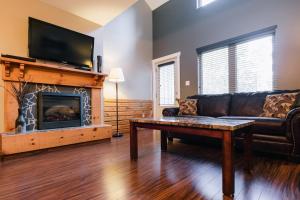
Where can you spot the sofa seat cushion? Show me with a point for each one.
(213, 105)
(265, 125)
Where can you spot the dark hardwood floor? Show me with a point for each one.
(104, 171)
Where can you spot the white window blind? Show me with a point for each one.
(214, 71)
(241, 64)
(254, 65)
(167, 84)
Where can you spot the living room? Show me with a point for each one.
(149, 99)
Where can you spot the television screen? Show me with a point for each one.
(51, 42)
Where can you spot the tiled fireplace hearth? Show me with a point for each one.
(64, 106)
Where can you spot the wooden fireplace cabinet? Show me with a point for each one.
(42, 73)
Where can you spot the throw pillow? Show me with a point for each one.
(279, 105)
(187, 107)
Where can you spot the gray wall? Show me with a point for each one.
(179, 26)
(127, 43)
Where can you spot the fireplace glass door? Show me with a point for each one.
(58, 110)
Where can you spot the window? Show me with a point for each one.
(242, 64)
(202, 3)
(254, 63)
(167, 83)
(215, 71)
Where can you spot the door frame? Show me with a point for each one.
(172, 57)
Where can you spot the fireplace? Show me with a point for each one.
(59, 110)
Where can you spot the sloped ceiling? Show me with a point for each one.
(156, 3)
(99, 11)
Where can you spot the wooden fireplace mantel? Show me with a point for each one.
(35, 72)
(14, 70)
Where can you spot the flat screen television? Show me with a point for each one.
(50, 42)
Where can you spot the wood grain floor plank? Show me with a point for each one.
(104, 171)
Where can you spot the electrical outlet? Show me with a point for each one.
(187, 83)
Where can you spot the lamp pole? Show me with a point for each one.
(117, 134)
(116, 76)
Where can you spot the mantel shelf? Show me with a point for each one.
(49, 66)
(42, 73)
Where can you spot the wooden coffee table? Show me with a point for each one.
(223, 129)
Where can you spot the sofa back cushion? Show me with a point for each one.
(213, 105)
(251, 104)
(247, 104)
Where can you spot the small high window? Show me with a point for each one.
(202, 3)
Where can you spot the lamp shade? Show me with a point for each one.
(116, 75)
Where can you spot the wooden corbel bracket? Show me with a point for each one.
(96, 79)
(22, 70)
(7, 69)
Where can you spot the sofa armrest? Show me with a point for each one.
(293, 113)
(293, 125)
(170, 112)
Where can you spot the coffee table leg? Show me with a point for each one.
(164, 140)
(228, 168)
(133, 142)
(248, 150)
(170, 139)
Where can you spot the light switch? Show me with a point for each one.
(187, 83)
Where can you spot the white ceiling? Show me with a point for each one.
(99, 11)
(156, 3)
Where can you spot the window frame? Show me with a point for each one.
(172, 57)
(232, 44)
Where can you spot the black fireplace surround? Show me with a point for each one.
(59, 110)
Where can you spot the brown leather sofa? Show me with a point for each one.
(271, 135)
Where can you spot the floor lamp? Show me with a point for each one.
(116, 76)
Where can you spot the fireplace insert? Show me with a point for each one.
(59, 110)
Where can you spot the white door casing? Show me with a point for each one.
(157, 108)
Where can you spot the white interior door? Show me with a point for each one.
(166, 82)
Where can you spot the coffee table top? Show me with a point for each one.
(198, 122)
